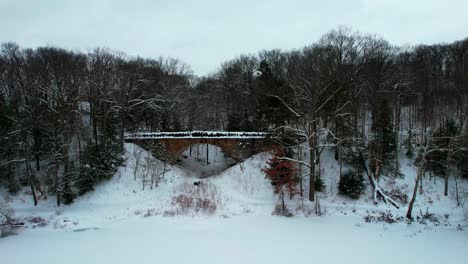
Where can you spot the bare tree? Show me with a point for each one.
(427, 148)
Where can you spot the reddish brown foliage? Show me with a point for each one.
(281, 172)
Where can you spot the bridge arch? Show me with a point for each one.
(227, 147)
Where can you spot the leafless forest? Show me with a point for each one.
(63, 113)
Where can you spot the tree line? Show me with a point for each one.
(64, 113)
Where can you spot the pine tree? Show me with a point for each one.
(409, 145)
(67, 194)
(7, 149)
(383, 145)
(319, 184)
(98, 164)
(271, 109)
(351, 184)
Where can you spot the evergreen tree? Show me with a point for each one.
(98, 164)
(352, 184)
(462, 157)
(383, 144)
(67, 194)
(7, 147)
(271, 109)
(409, 145)
(319, 184)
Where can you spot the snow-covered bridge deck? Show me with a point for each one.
(196, 134)
(170, 145)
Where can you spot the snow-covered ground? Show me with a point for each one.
(244, 239)
(228, 219)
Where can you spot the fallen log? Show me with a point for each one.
(378, 192)
(20, 224)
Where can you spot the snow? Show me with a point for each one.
(120, 222)
(241, 189)
(245, 239)
(195, 160)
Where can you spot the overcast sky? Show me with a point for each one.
(204, 33)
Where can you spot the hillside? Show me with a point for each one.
(235, 213)
(238, 190)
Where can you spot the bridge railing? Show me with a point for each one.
(196, 134)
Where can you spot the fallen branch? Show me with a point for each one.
(295, 160)
(20, 224)
(378, 192)
(8, 220)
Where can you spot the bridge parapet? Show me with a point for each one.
(196, 134)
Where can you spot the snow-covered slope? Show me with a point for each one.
(239, 190)
(226, 218)
(431, 200)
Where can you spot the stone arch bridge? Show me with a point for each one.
(169, 146)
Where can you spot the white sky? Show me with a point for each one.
(205, 33)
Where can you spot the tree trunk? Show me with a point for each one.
(397, 135)
(38, 162)
(300, 168)
(10, 174)
(447, 171)
(420, 181)
(456, 190)
(319, 173)
(283, 206)
(94, 123)
(31, 178)
(122, 131)
(57, 183)
(340, 159)
(312, 168)
(66, 168)
(446, 183)
(207, 155)
(152, 180)
(415, 191)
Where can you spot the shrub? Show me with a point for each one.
(186, 204)
(67, 195)
(6, 218)
(385, 216)
(37, 221)
(194, 199)
(319, 184)
(351, 184)
(428, 218)
(282, 211)
(398, 193)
